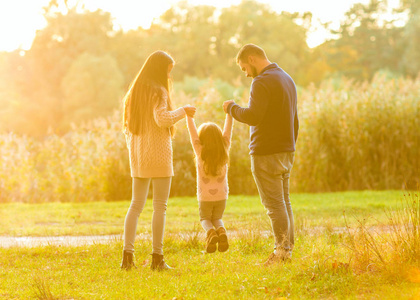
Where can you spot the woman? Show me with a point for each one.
(148, 125)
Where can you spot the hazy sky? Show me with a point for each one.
(19, 19)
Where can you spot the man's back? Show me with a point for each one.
(272, 112)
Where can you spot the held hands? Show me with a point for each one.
(189, 110)
(226, 105)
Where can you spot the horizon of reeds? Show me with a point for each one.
(353, 136)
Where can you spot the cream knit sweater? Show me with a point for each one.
(151, 153)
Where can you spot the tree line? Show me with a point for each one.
(79, 65)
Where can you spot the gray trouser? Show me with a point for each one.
(271, 174)
(211, 213)
(161, 188)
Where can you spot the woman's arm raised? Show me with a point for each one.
(164, 117)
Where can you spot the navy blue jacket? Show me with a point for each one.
(271, 112)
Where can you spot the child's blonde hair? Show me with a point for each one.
(214, 151)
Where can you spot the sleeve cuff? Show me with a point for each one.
(181, 112)
(230, 108)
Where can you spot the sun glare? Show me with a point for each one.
(19, 19)
(131, 14)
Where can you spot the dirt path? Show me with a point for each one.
(67, 240)
(39, 241)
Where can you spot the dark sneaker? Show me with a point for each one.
(223, 240)
(211, 241)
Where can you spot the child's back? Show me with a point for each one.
(211, 187)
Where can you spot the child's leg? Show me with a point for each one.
(217, 214)
(218, 210)
(205, 209)
(207, 225)
(212, 238)
(217, 223)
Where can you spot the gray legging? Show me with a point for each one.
(161, 188)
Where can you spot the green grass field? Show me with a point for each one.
(102, 218)
(322, 267)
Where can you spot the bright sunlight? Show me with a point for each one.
(210, 149)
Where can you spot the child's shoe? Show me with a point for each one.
(211, 240)
(223, 240)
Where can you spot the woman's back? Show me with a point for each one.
(150, 150)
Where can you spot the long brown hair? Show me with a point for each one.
(139, 101)
(214, 151)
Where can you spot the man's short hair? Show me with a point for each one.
(247, 50)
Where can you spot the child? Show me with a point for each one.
(211, 148)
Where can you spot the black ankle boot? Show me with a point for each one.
(158, 263)
(128, 260)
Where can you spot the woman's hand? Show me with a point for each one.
(189, 110)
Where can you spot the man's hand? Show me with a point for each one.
(189, 110)
(226, 105)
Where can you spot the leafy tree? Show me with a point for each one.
(316, 67)
(130, 49)
(67, 35)
(11, 99)
(205, 43)
(187, 31)
(366, 42)
(411, 41)
(251, 22)
(79, 65)
(92, 87)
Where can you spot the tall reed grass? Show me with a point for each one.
(387, 247)
(359, 136)
(87, 164)
(352, 137)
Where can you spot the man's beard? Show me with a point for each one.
(253, 72)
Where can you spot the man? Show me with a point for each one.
(273, 119)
